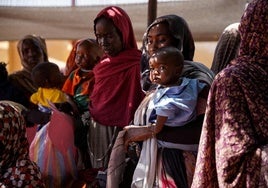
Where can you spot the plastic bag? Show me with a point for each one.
(54, 151)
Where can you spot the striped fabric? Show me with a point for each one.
(54, 152)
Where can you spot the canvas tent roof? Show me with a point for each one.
(206, 18)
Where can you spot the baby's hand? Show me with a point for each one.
(136, 133)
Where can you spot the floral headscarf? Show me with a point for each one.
(253, 30)
(16, 169)
(233, 145)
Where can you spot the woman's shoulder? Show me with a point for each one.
(198, 71)
(21, 74)
(132, 52)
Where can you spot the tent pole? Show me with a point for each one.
(152, 11)
(73, 3)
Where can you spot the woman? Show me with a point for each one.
(7, 90)
(32, 50)
(176, 164)
(117, 91)
(227, 48)
(233, 144)
(17, 170)
(172, 30)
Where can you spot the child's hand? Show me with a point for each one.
(35, 116)
(136, 133)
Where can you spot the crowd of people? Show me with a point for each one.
(119, 116)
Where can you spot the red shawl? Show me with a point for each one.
(117, 91)
(122, 21)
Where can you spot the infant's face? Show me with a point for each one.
(163, 72)
(84, 58)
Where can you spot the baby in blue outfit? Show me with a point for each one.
(175, 99)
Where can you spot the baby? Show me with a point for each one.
(48, 78)
(80, 82)
(174, 101)
(78, 86)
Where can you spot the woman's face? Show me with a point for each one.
(158, 37)
(31, 54)
(108, 37)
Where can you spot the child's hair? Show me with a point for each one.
(43, 75)
(3, 72)
(170, 54)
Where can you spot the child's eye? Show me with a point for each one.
(162, 68)
(149, 41)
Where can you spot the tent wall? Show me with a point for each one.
(206, 18)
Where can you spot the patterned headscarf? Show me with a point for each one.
(253, 30)
(233, 144)
(227, 48)
(16, 169)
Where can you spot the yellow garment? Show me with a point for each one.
(43, 95)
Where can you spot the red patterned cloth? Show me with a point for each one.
(233, 145)
(16, 168)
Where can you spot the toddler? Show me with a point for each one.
(174, 101)
(48, 78)
(80, 82)
(78, 86)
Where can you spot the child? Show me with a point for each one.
(175, 99)
(48, 78)
(78, 85)
(7, 90)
